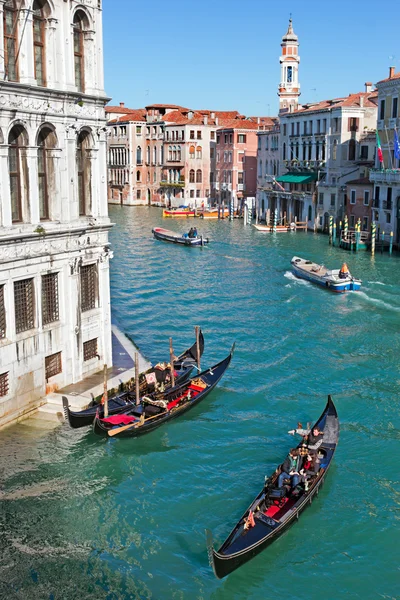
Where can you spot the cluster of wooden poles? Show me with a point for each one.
(357, 232)
(104, 400)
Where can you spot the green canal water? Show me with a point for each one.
(84, 517)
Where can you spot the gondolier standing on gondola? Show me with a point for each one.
(312, 437)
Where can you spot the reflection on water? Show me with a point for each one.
(87, 517)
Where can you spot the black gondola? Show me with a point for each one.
(183, 366)
(244, 542)
(152, 413)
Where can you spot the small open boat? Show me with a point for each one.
(177, 238)
(212, 213)
(179, 212)
(277, 229)
(337, 280)
(269, 517)
(183, 367)
(154, 411)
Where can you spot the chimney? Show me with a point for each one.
(190, 114)
(258, 120)
(368, 87)
(216, 120)
(391, 72)
(205, 120)
(122, 104)
(361, 101)
(213, 115)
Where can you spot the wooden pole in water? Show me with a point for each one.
(358, 233)
(382, 240)
(105, 392)
(171, 358)
(334, 233)
(391, 243)
(373, 236)
(197, 330)
(330, 229)
(137, 378)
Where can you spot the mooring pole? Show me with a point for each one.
(197, 330)
(137, 378)
(330, 229)
(105, 392)
(171, 359)
(334, 233)
(373, 236)
(391, 243)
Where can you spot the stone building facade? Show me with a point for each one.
(54, 252)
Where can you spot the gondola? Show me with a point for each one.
(153, 412)
(270, 514)
(183, 366)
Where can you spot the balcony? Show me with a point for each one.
(387, 205)
(172, 184)
(388, 176)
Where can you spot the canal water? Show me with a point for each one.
(84, 517)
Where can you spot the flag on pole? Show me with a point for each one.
(379, 148)
(396, 145)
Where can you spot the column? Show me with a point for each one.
(6, 220)
(25, 61)
(69, 199)
(52, 73)
(89, 58)
(74, 316)
(33, 192)
(97, 180)
(2, 2)
(56, 185)
(105, 304)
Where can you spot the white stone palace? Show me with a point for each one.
(54, 252)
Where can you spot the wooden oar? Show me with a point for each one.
(135, 425)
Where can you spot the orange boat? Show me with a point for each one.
(213, 213)
(179, 212)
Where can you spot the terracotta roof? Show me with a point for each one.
(238, 124)
(138, 114)
(166, 106)
(352, 100)
(119, 109)
(395, 76)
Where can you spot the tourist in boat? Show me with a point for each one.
(191, 233)
(290, 469)
(195, 232)
(312, 437)
(344, 272)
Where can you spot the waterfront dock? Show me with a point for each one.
(80, 394)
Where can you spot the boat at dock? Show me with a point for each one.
(156, 410)
(183, 367)
(275, 509)
(336, 280)
(166, 235)
(214, 213)
(179, 212)
(276, 229)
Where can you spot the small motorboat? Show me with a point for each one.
(178, 238)
(213, 213)
(179, 212)
(276, 229)
(275, 509)
(337, 280)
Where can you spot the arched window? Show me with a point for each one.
(39, 42)
(178, 153)
(309, 213)
(198, 176)
(284, 151)
(154, 155)
(18, 171)
(174, 153)
(84, 173)
(138, 176)
(10, 24)
(148, 155)
(169, 152)
(191, 176)
(46, 140)
(79, 50)
(262, 204)
(199, 152)
(191, 152)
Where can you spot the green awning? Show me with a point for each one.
(297, 178)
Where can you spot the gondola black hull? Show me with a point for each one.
(224, 561)
(184, 365)
(210, 376)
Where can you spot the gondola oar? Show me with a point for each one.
(135, 425)
(197, 330)
(137, 378)
(105, 392)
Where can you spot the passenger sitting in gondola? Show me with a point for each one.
(308, 470)
(290, 469)
(312, 437)
(344, 272)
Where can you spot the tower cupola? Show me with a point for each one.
(289, 87)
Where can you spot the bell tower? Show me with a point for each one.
(289, 87)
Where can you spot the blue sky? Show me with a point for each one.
(224, 55)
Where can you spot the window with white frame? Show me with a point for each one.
(352, 196)
(366, 197)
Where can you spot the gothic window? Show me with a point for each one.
(191, 152)
(198, 152)
(84, 173)
(46, 140)
(191, 176)
(198, 176)
(39, 47)
(138, 176)
(138, 155)
(10, 24)
(79, 51)
(18, 172)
